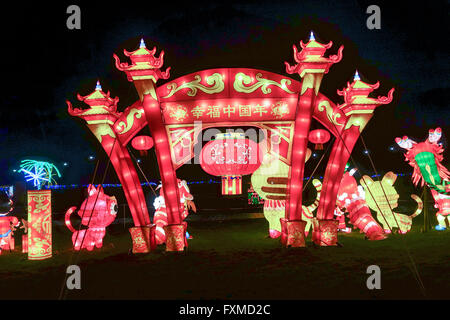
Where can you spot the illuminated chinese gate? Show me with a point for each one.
(177, 111)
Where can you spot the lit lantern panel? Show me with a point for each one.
(230, 156)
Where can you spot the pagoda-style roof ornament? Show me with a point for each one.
(356, 96)
(100, 103)
(311, 58)
(144, 65)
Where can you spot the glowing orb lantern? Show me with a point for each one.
(142, 143)
(319, 137)
(230, 156)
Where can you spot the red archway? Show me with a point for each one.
(177, 110)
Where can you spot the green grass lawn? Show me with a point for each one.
(235, 260)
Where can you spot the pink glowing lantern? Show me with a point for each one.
(97, 212)
(230, 156)
(142, 143)
(319, 137)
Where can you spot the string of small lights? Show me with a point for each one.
(118, 185)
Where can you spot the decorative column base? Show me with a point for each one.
(325, 232)
(143, 238)
(293, 233)
(175, 237)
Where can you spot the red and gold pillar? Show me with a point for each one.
(144, 71)
(311, 66)
(358, 108)
(39, 224)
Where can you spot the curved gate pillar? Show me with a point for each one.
(100, 118)
(144, 72)
(311, 66)
(358, 109)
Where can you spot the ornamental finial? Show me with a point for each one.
(142, 44)
(356, 76)
(311, 36)
(98, 87)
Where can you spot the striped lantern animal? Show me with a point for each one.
(382, 198)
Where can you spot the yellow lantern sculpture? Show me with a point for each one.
(382, 198)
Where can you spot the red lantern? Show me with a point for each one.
(230, 156)
(142, 143)
(319, 137)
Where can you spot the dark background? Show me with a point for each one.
(44, 64)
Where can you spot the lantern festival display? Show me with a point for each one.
(319, 137)
(160, 217)
(282, 107)
(351, 197)
(96, 212)
(8, 224)
(142, 143)
(426, 159)
(382, 197)
(39, 224)
(230, 156)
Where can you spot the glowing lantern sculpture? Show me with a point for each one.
(39, 233)
(96, 212)
(230, 156)
(177, 242)
(352, 198)
(142, 143)
(319, 137)
(426, 159)
(230, 97)
(382, 197)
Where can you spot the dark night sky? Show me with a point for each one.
(44, 63)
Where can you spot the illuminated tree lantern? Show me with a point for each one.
(142, 143)
(319, 137)
(230, 156)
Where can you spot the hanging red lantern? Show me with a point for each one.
(319, 137)
(230, 156)
(142, 143)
